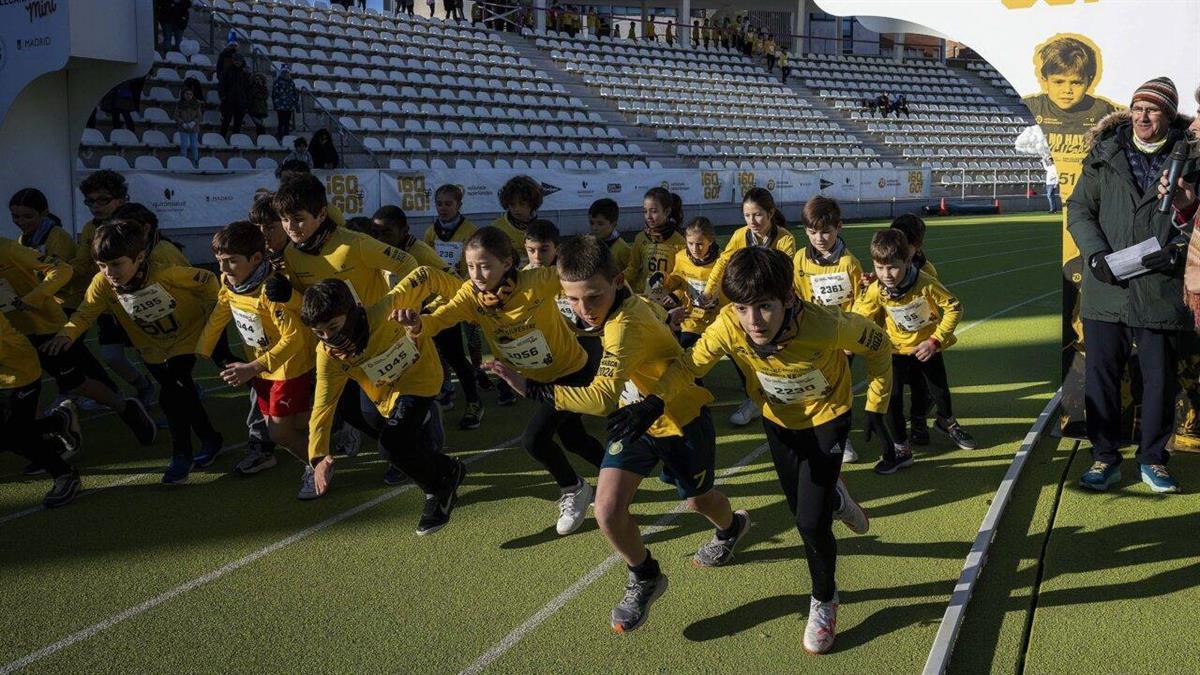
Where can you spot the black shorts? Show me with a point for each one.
(70, 367)
(689, 461)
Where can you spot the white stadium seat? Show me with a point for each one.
(240, 164)
(147, 163)
(211, 164)
(265, 163)
(114, 162)
(179, 163)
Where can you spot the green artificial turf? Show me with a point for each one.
(364, 593)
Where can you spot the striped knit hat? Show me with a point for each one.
(1161, 92)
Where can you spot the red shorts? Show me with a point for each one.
(284, 398)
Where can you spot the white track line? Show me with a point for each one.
(1000, 274)
(509, 641)
(947, 635)
(223, 570)
(82, 493)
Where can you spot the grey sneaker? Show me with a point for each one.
(71, 435)
(308, 485)
(65, 489)
(849, 454)
(718, 551)
(851, 513)
(959, 436)
(634, 608)
(256, 460)
(347, 441)
(821, 628)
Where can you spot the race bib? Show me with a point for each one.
(250, 326)
(830, 289)
(912, 317)
(529, 351)
(149, 304)
(386, 367)
(695, 288)
(8, 297)
(807, 386)
(564, 307)
(630, 394)
(449, 251)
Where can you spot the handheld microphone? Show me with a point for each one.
(1179, 155)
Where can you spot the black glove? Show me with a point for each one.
(1101, 270)
(537, 391)
(877, 426)
(279, 289)
(1165, 260)
(634, 420)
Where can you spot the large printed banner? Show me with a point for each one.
(1073, 62)
(184, 200)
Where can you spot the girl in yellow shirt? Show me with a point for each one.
(688, 278)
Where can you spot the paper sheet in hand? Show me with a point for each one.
(1127, 263)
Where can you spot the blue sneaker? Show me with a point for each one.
(1101, 476)
(208, 451)
(1158, 478)
(177, 471)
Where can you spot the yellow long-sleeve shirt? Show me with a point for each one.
(639, 350)
(20, 267)
(353, 257)
(782, 241)
(621, 251)
(927, 310)
(516, 233)
(19, 363)
(450, 250)
(393, 364)
(272, 333)
(164, 318)
(650, 263)
(528, 332)
(929, 269)
(687, 282)
(835, 285)
(62, 246)
(807, 383)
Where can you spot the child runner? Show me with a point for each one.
(654, 248)
(603, 216)
(689, 276)
(920, 319)
(639, 350)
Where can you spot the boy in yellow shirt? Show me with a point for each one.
(280, 350)
(913, 227)
(792, 353)
(43, 232)
(654, 248)
(520, 198)
(42, 440)
(400, 374)
(603, 216)
(827, 273)
(514, 309)
(920, 316)
(163, 310)
(639, 350)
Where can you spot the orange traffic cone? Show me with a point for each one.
(942, 210)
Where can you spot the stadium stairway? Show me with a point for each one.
(654, 149)
(1003, 97)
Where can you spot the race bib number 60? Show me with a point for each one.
(148, 304)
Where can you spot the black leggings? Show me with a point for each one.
(808, 473)
(72, 366)
(538, 437)
(450, 346)
(181, 404)
(23, 431)
(927, 377)
(404, 440)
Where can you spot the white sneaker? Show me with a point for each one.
(821, 629)
(849, 455)
(746, 413)
(347, 441)
(572, 508)
(851, 513)
(308, 485)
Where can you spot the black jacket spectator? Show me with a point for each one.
(324, 154)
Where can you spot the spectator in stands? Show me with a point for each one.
(648, 30)
(1051, 184)
(233, 88)
(285, 97)
(706, 32)
(696, 33)
(869, 105)
(324, 154)
(187, 123)
(884, 104)
(726, 34)
(900, 105)
(670, 34)
(299, 153)
(408, 6)
(1110, 209)
(173, 21)
(771, 51)
(784, 69)
(226, 55)
(631, 34)
(593, 23)
(260, 95)
(119, 103)
(430, 4)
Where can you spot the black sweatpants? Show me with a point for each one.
(450, 346)
(538, 437)
(1108, 349)
(808, 462)
(21, 430)
(181, 404)
(906, 370)
(405, 441)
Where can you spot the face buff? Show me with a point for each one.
(352, 339)
(623, 294)
(905, 285)
(788, 331)
(714, 250)
(831, 258)
(494, 299)
(313, 245)
(445, 229)
(662, 232)
(138, 280)
(253, 281)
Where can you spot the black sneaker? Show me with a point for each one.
(438, 506)
(717, 551)
(208, 451)
(71, 435)
(472, 417)
(482, 379)
(918, 432)
(634, 608)
(63, 492)
(902, 459)
(957, 434)
(394, 476)
(506, 396)
(139, 421)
